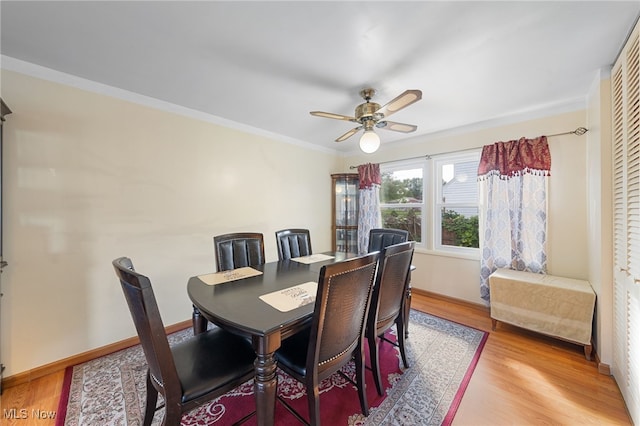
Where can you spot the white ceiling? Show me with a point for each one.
(264, 65)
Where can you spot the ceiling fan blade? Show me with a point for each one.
(402, 101)
(332, 115)
(349, 134)
(396, 127)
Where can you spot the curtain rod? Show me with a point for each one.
(578, 132)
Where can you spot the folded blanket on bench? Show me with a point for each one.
(556, 306)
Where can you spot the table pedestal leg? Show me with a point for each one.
(265, 382)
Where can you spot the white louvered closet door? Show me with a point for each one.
(625, 85)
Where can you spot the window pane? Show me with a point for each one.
(456, 203)
(459, 182)
(401, 186)
(407, 218)
(460, 227)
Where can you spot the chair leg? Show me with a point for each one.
(313, 400)
(362, 390)
(152, 399)
(402, 335)
(374, 358)
(199, 322)
(172, 415)
(407, 306)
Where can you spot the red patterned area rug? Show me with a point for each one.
(442, 354)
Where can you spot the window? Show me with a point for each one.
(401, 197)
(446, 217)
(456, 202)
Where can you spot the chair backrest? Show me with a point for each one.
(146, 317)
(391, 285)
(293, 243)
(341, 308)
(379, 238)
(238, 250)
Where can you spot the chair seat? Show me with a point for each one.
(292, 353)
(211, 360)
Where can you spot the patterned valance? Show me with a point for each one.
(369, 174)
(516, 157)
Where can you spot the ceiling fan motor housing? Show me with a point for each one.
(367, 111)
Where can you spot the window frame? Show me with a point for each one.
(431, 227)
(438, 204)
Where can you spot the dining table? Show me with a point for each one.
(266, 303)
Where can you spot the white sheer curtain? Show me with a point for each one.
(369, 216)
(513, 179)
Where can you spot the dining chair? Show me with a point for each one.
(190, 373)
(232, 251)
(336, 334)
(293, 243)
(380, 238)
(387, 304)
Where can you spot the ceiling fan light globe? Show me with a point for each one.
(369, 142)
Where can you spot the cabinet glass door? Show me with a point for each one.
(345, 212)
(346, 240)
(346, 204)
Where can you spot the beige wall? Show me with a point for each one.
(600, 184)
(89, 178)
(567, 237)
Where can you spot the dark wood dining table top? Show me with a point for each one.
(236, 304)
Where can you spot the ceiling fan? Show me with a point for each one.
(370, 114)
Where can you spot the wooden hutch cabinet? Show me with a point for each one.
(344, 207)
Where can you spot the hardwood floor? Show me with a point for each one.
(35, 403)
(521, 379)
(524, 378)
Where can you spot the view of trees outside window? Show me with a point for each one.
(457, 202)
(401, 200)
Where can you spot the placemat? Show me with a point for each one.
(231, 275)
(312, 258)
(292, 297)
